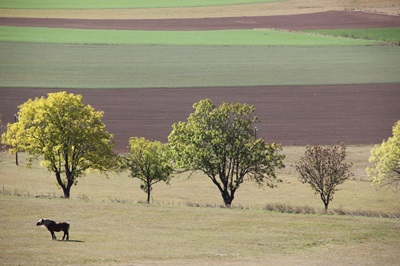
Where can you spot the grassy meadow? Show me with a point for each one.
(109, 225)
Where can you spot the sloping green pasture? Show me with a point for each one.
(380, 34)
(100, 4)
(134, 66)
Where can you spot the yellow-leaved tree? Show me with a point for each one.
(65, 134)
(385, 158)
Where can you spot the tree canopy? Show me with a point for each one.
(324, 168)
(221, 143)
(67, 135)
(148, 161)
(385, 158)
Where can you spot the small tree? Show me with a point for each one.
(221, 143)
(386, 161)
(68, 136)
(324, 168)
(148, 161)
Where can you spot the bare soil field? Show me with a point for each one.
(353, 114)
(320, 20)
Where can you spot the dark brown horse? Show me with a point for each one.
(55, 227)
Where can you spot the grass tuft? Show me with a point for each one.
(23, 193)
(287, 208)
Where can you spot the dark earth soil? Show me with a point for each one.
(352, 114)
(322, 20)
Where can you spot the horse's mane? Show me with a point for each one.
(46, 221)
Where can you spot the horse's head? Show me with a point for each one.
(40, 222)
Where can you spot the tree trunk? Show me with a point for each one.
(66, 188)
(70, 182)
(325, 201)
(66, 191)
(148, 195)
(227, 199)
(62, 185)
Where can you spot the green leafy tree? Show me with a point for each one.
(386, 160)
(148, 161)
(67, 135)
(324, 168)
(221, 143)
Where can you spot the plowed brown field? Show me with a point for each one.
(353, 114)
(320, 20)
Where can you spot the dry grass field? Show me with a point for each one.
(134, 234)
(185, 224)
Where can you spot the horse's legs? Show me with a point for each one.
(66, 235)
(53, 236)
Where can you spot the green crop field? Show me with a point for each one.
(137, 37)
(380, 34)
(109, 226)
(100, 4)
(120, 66)
(63, 58)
